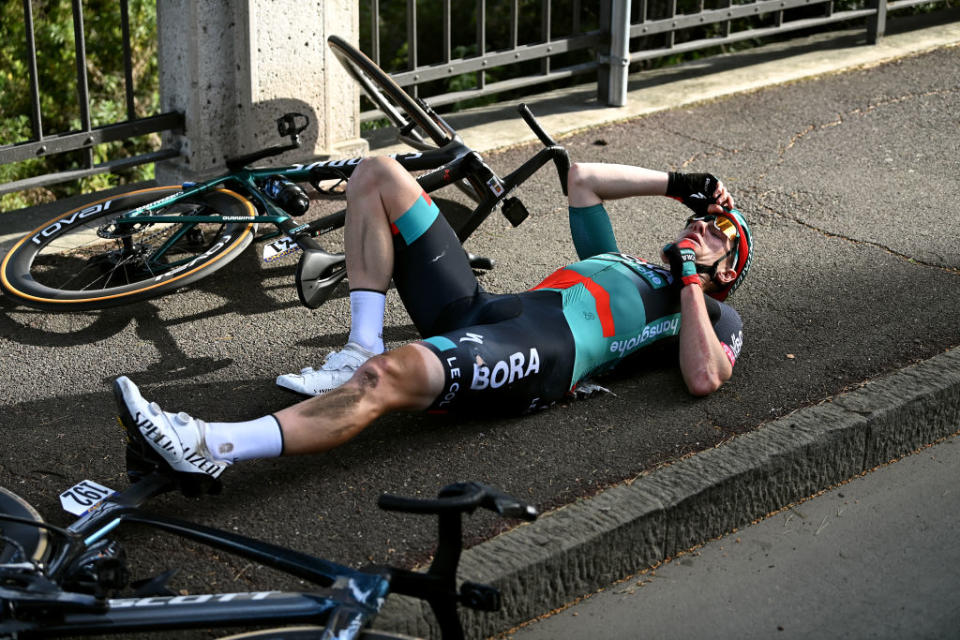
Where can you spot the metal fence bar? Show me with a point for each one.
(712, 16)
(412, 41)
(615, 62)
(36, 119)
(110, 165)
(83, 92)
(672, 34)
(877, 22)
(64, 142)
(546, 34)
(375, 32)
(127, 58)
(447, 37)
(498, 58)
(482, 41)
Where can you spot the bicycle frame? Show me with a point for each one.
(344, 600)
(445, 165)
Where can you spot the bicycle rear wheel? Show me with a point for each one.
(390, 98)
(20, 542)
(402, 110)
(83, 259)
(311, 633)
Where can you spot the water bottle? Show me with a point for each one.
(288, 195)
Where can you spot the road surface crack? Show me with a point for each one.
(840, 236)
(859, 112)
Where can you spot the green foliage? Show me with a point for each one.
(58, 88)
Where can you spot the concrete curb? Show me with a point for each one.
(584, 546)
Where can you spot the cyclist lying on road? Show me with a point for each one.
(511, 353)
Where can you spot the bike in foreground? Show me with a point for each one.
(74, 581)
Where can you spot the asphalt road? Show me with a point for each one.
(871, 558)
(850, 184)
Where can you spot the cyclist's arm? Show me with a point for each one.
(705, 362)
(590, 183)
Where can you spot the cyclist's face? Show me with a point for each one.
(712, 240)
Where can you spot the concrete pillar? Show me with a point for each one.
(233, 67)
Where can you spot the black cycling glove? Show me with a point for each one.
(692, 189)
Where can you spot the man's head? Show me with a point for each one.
(723, 245)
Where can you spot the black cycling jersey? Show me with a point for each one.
(520, 352)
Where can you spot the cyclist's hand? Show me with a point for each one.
(702, 192)
(682, 258)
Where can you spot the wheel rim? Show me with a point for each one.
(96, 261)
(32, 539)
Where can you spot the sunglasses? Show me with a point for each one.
(722, 225)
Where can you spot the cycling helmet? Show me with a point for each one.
(742, 254)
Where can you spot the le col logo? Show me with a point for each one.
(736, 342)
(514, 368)
(55, 228)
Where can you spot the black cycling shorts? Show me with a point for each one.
(500, 353)
(517, 364)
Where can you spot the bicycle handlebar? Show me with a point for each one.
(460, 498)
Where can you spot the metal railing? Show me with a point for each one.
(86, 136)
(626, 32)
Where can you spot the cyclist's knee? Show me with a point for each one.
(374, 173)
(577, 176)
(398, 379)
(582, 184)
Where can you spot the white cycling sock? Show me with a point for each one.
(233, 441)
(366, 319)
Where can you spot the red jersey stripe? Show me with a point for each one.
(566, 278)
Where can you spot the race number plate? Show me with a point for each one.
(84, 496)
(278, 248)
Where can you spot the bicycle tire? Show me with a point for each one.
(312, 633)
(33, 540)
(393, 101)
(389, 97)
(76, 262)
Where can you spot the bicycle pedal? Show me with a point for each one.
(193, 485)
(140, 464)
(514, 211)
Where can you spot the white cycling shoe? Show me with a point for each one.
(176, 438)
(338, 367)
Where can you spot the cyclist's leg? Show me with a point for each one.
(392, 228)
(407, 379)
(378, 193)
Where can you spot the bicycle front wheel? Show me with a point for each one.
(20, 542)
(85, 259)
(402, 110)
